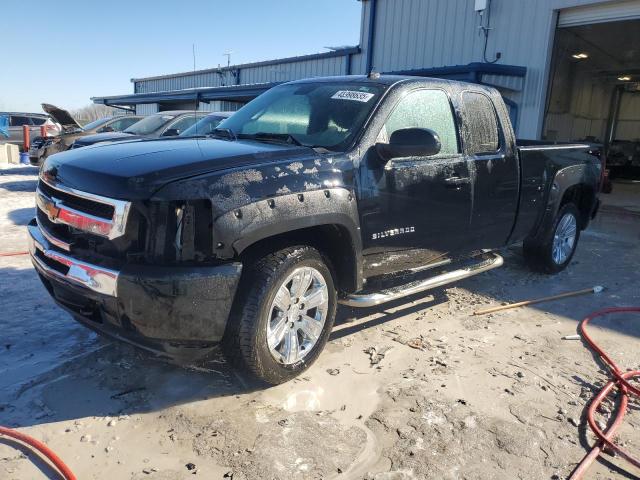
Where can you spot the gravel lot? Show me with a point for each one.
(500, 396)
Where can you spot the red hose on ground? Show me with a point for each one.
(11, 254)
(42, 448)
(621, 381)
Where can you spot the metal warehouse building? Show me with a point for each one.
(568, 69)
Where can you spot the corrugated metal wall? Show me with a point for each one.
(278, 72)
(438, 33)
(146, 108)
(293, 71)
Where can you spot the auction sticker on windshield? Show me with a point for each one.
(353, 95)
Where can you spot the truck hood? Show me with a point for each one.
(135, 170)
(61, 116)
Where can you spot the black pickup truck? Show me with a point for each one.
(356, 190)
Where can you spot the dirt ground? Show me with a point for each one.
(501, 396)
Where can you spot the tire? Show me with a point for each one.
(256, 340)
(540, 254)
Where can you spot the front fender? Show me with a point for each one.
(259, 220)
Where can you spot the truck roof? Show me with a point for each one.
(383, 80)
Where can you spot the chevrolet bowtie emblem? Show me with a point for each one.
(52, 211)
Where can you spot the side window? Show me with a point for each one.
(426, 109)
(482, 125)
(19, 120)
(127, 122)
(184, 123)
(120, 125)
(38, 120)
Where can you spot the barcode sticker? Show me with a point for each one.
(353, 95)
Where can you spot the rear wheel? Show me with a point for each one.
(284, 314)
(556, 247)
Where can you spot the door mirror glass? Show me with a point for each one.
(410, 142)
(171, 132)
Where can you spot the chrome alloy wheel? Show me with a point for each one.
(564, 238)
(297, 315)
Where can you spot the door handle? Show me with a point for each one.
(456, 182)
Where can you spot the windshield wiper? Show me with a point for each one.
(281, 137)
(226, 132)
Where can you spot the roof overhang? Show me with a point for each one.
(237, 93)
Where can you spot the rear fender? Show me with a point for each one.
(564, 179)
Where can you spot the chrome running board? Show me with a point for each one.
(383, 296)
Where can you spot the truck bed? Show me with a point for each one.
(539, 162)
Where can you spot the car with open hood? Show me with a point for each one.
(159, 125)
(71, 130)
(35, 121)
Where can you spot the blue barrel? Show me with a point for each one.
(24, 158)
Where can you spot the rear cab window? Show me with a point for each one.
(482, 135)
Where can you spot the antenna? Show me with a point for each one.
(195, 102)
(228, 55)
(226, 74)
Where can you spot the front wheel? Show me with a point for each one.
(556, 247)
(283, 315)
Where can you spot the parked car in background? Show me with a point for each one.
(624, 159)
(42, 147)
(163, 124)
(34, 120)
(206, 125)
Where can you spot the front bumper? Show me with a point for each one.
(177, 311)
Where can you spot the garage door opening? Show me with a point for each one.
(595, 91)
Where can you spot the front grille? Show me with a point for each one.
(81, 212)
(57, 266)
(79, 203)
(61, 233)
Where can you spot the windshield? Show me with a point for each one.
(326, 115)
(96, 123)
(149, 124)
(203, 127)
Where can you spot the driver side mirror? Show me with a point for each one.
(105, 129)
(172, 132)
(410, 142)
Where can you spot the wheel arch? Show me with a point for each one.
(332, 240)
(575, 183)
(583, 196)
(325, 219)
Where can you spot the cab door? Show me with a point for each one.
(415, 211)
(488, 144)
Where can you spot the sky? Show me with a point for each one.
(65, 52)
